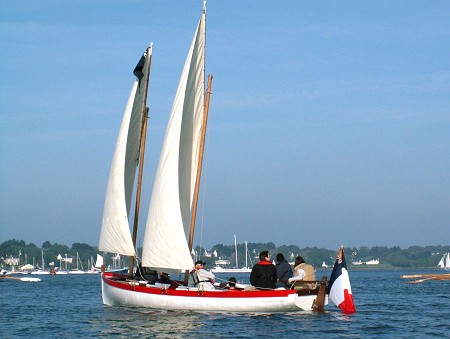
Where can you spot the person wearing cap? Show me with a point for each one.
(203, 279)
(264, 273)
(232, 284)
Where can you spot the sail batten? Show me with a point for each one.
(165, 244)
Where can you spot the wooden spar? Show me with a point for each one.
(199, 168)
(428, 275)
(200, 161)
(424, 277)
(141, 158)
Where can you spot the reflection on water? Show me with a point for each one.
(140, 322)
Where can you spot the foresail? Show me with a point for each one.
(165, 243)
(115, 236)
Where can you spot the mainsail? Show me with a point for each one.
(165, 245)
(115, 236)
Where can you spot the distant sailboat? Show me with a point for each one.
(77, 269)
(96, 268)
(445, 261)
(236, 269)
(41, 271)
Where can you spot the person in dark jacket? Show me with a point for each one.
(284, 271)
(264, 273)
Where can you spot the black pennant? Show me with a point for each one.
(139, 68)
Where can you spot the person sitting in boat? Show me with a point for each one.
(146, 273)
(284, 271)
(264, 273)
(164, 278)
(304, 275)
(232, 284)
(202, 278)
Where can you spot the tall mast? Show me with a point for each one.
(235, 249)
(200, 161)
(141, 156)
(246, 264)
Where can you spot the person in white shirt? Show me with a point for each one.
(203, 279)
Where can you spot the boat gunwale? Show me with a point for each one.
(123, 282)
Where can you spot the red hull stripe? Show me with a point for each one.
(108, 278)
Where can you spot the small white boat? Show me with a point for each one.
(77, 270)
(220, 269)
(373, 262)
(40, 272)
(246, 269)
(24, 279)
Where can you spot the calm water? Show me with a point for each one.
(71, 306)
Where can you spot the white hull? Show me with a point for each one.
(40, 272)
(230, 270)
(159, 297)
(373, 262)
(25, 279)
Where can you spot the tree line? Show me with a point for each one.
(413, 256)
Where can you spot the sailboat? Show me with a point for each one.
(41, 271)
(236, 269)
(96, 268)
(445, 261)
(170, 224)
(77, 269)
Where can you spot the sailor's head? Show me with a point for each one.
(264, 255)
(199, 264)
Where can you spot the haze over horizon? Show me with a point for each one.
(329, 122)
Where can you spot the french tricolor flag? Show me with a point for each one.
(339, 289)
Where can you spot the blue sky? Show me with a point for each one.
(329, 120)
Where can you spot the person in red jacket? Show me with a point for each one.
(264, 273)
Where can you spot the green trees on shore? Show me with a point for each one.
(413, 256)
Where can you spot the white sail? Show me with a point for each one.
(99, 261)
(445, 261)
(165, 243)
(115, 235)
